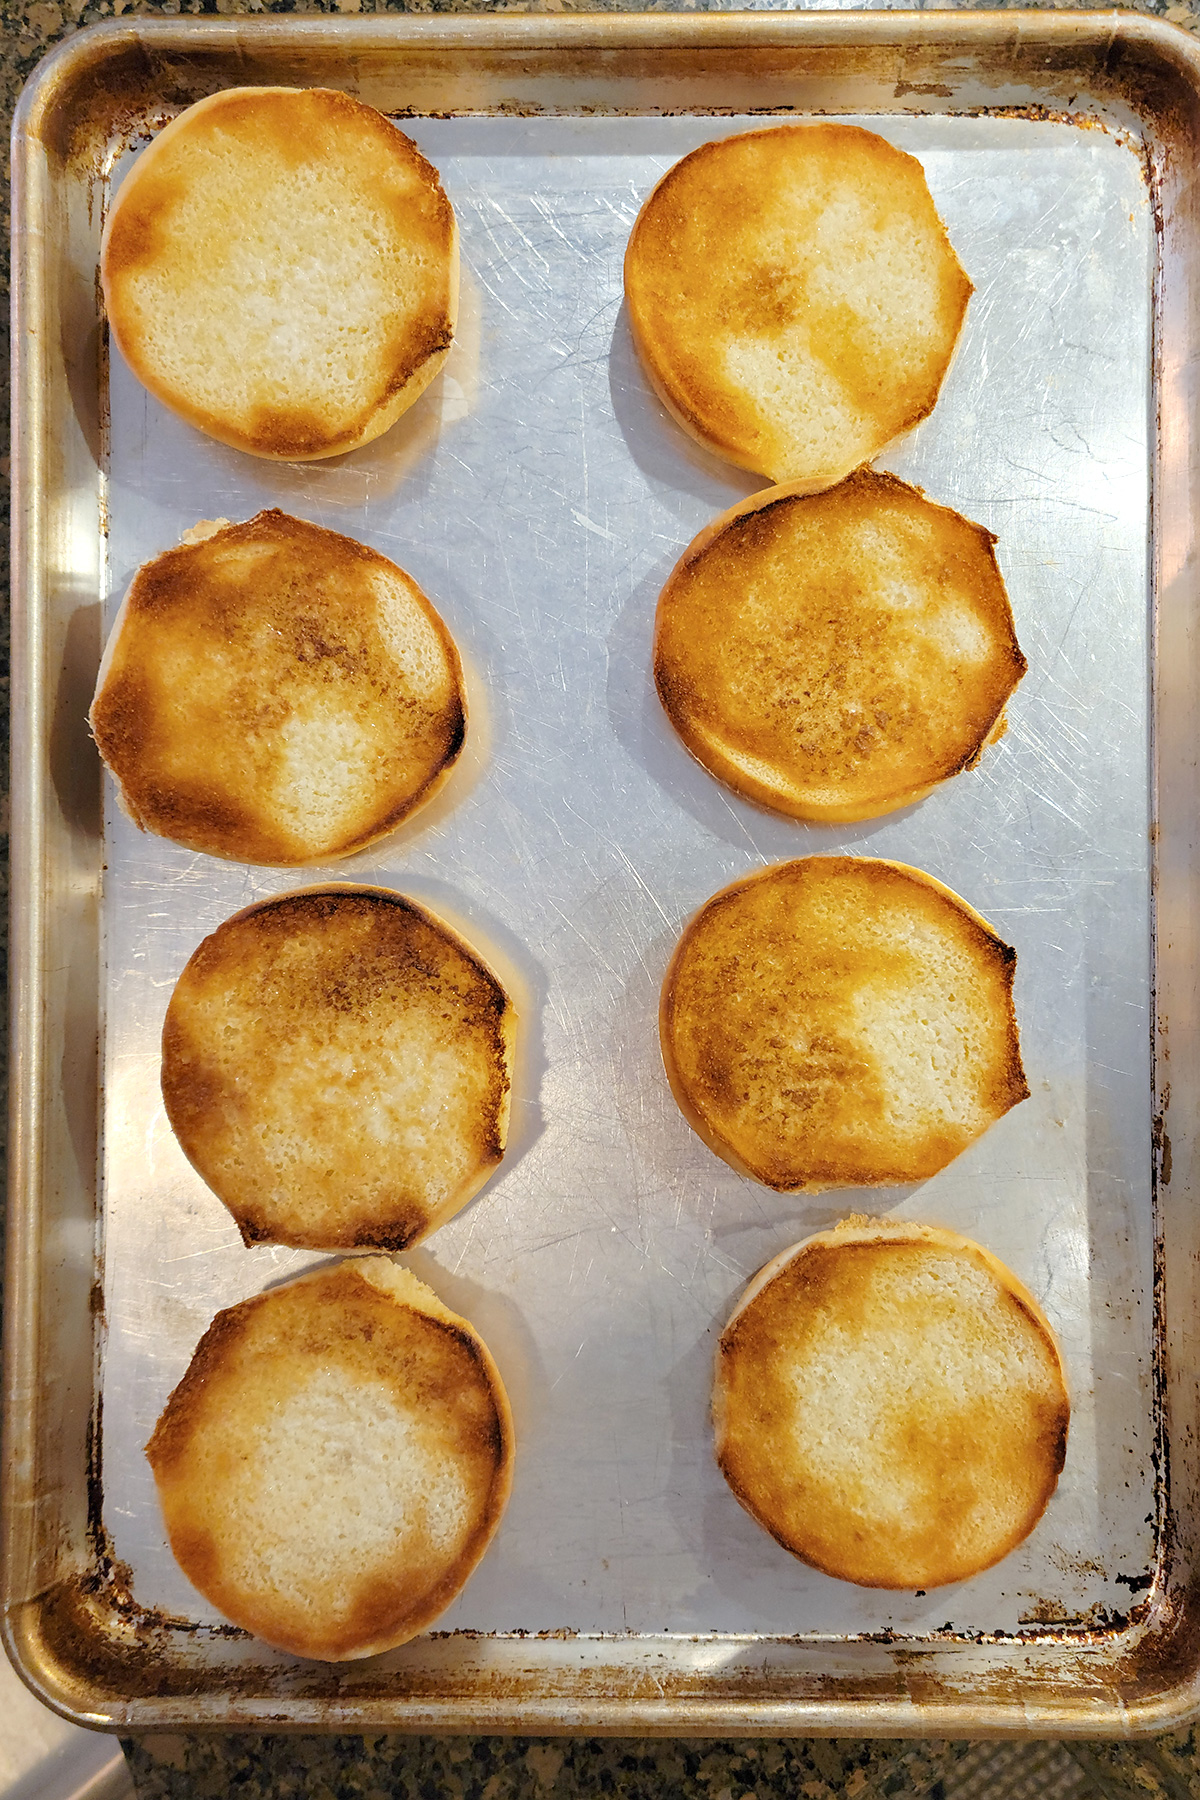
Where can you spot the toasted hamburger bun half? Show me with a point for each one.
(277, 693)
(280, 268)
(837, 655)
(335, 1461)
(336, 1065)
(840, 1022)
(890, 1405)
(794, 298)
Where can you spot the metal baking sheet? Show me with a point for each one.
(540, 495)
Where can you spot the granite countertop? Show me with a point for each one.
(479, 1768)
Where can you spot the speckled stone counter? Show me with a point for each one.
(475, 1768)
(346, 1768)
(350, 1768)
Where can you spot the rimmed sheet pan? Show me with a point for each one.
(540, 495)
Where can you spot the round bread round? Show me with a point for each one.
(837, 655)
(280, 268)
(794, 297)
(890, 1405)
(335, 1461)
(840, 1022)
(276, 693)
(336, 1065)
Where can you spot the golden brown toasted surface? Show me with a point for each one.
(280, 267)
(336, 1065)
(890, 1405)
(837, 655)
(277, 693)
(840, 1022)
(794, 297)
(335, 1461)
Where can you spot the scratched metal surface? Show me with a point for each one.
(539, 494)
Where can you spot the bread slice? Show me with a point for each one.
(335, 1461)
(280, 268)
(336, 1065)
(794, 297)
(890, 1404)
(837, 655)
(840, 1022)
(277, 693)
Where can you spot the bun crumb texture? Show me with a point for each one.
(890, 1405)
(336, 1066)
(840, 1022)
(794, 298)
(276, 693)
(280, 268)
(838, 655)
(335, 1461)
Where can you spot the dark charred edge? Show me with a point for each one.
(126, 1668)
(387, 1239)
(1160, 1449)
(391, 821)
(1097, 1627)
(435, 340)
(458, 737)
(97, 1535)
(324, 899)
(92, 1622)
(1160, 1149)
(125, 1654)
(1153, 174)
(106, 1573)
(1161, 1158)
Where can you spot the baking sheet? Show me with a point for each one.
(539, 495)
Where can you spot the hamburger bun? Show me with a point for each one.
(280, 268)
(273, 692)
(890, 1405)
(840, 1022)
(794, 298)
(335, 1461)
(837, 655)
(336, 1065)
